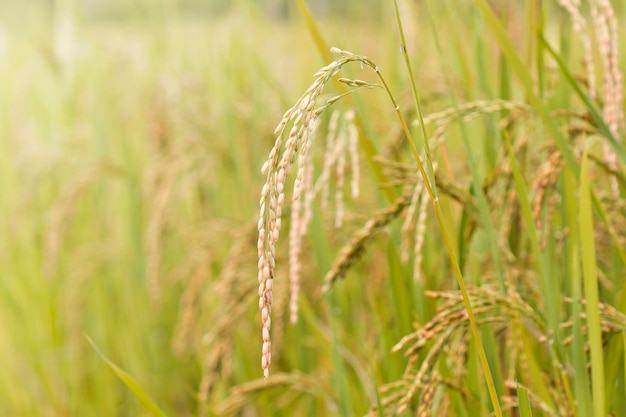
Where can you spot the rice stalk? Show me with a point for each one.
(291, 144)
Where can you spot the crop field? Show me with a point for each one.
(312, 208)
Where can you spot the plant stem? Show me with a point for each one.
(429, 182)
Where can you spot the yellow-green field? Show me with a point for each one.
(479, 271)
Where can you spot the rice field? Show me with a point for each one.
(321, 209)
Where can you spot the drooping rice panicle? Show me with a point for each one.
(291, 144)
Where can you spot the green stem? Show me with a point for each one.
(418, 107)
(431, 189)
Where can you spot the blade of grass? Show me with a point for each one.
(321, 44)
(579, 357)
(130, 382)
(493, 351)
(532, 368)
(614, 395)
(429, 183)
(567, 388)
(522, 194)
(590, 280)
(524, 403)
(483, 209)
(416, 101)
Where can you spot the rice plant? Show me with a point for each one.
(435, 222)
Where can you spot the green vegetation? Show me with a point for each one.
(458, 239)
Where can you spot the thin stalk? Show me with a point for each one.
(418, 107)
(524, 402)
(590, 281)
(578, 356)
(477, 182)
(624, 340)
(429, 182)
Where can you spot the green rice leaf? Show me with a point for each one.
(590, 279)
(524, 403)
(130, 382)
(316, 33)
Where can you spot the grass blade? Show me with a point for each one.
(590, 279)
(429, 183)
(316, 34)
(524, 402)
(130, 382)
(577, 351)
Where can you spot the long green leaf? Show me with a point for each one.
(130, 382)
(582, 385)
(590, 279)
(321, 44)
(624, 361)
(522, 193)
(524, 403)
(432, 192)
